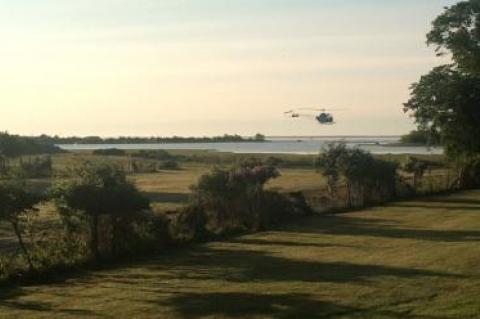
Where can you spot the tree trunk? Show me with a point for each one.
(94, 240)
(22, 244)
(349, 195)
(114, 238)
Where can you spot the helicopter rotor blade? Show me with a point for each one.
(302, 115)
(323, 109)
(313, 109)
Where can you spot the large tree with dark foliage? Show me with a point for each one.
(447, 100)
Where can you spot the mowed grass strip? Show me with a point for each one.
(416, 259)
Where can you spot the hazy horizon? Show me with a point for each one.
(185, 68)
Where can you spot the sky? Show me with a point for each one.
(209, 67)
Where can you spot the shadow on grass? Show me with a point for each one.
(442, 203)
(197, 266)
(244, 266)
(279, 306)
(246, 305)
(440, 207)
(210, 267)
(352, 225)
(9, 302)
(207, 266)
(284, 243)
(453, 200)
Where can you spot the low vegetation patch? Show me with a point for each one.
(110, 152)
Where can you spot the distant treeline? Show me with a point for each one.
(45, 139)
(15, 145)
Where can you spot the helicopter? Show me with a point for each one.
(324, 117)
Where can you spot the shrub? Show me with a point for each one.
(143, 166)
(368, 180)
(234, 198)
(169, 165)
(15, 205)
(280, 208)
(190, 224)
(160, 155)
(110, 152)
(37, 167)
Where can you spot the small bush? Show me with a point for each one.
(169, 165)
(39, 167)
(280, 208)
(110, 152)
(160, 155)
(143, 166)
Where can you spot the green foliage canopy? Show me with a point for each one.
(447, 100)
(236, 193)
(365, 176)
(457, 32)
(100, 190)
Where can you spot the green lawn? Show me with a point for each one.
(417, 259)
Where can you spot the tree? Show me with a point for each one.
(101, 190)
(259, 137)
(14, 146)
(457, 31)
(15, 204)
(328, 164)
(248, 181)
(446, 101)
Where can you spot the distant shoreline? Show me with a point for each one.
(333, 136)
(126, 140)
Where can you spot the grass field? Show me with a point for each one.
(416, 259)
(170, 189)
